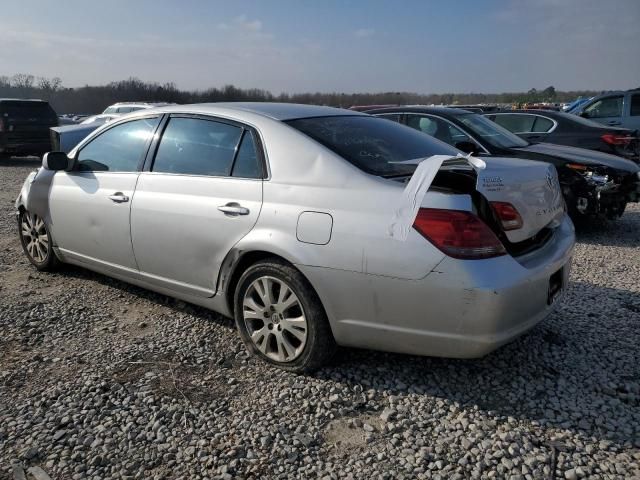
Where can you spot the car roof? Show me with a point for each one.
(276, 111)
(421, 109)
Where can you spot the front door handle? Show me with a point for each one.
(614, 122)
(118, 197)
(233, 209)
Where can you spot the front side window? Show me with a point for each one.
(372, 144)
(191, 146)
(605, 107)
(111, 110)
(491, 132)
(118, 149)
(516, 122)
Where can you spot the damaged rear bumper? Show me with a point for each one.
(462, 309)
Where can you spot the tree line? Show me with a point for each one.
(92, 99)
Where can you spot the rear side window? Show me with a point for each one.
(542, 125)
(516, 123)
(247, 163)
(373, 144)
(605, 107)
(635, 105)
(192, 146)
(118, 149)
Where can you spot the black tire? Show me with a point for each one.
(44, 262)
(319, 346)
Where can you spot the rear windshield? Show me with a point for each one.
(491, 132)
(372, 144)
(17, 109)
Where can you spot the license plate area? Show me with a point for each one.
(556, 285)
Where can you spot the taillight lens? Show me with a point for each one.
(458, 234)
(508, 215)
(613, 139)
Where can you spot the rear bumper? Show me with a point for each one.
(462, 309)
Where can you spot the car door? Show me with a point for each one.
(198, 197)
(606, 110)
(633, 121)
(90, 205)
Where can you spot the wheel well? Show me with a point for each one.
(245, 261)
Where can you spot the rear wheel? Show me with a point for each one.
(280, 318)
(36, 241)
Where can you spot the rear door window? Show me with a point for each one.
(193, 146)
(118, 149)
(516, 122)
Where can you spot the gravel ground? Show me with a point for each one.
(99, 379)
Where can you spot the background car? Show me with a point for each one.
(575, 104)
(24, 126)
(65, 138)
(565, 129)
(121, 108)
(300, 221)
(593, 183)
(615, 109)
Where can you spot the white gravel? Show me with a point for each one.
(99, 379)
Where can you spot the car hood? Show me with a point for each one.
(581, 155)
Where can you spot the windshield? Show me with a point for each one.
(491, 132)
(372, 144)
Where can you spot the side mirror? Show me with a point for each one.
(55, 161)
(584, 114)
(467, 147)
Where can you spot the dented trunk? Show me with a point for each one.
(531, 187)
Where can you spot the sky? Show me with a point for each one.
(422, 46)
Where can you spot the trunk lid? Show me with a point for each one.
(531, 187)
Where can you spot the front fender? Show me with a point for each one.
(34, 194)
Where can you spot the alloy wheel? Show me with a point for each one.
(275, 319)
(35, 237)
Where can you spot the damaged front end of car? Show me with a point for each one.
(599, 190)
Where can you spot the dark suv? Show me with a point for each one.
(24, 126)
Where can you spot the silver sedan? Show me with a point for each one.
(312, 226)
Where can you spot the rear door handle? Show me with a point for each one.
(118, 197)
(233, 209)
(614, 122)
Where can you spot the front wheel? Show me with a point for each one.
(36, 241)
(280, 318)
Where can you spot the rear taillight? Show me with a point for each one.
(508, 215)
(613, 139)
(458, 234)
